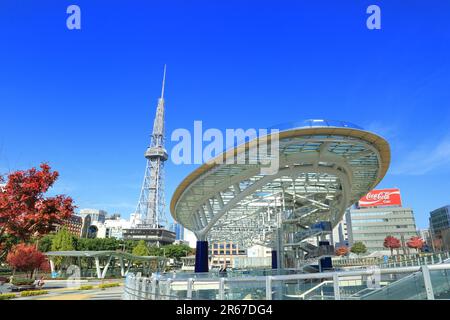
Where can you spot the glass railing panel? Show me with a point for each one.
(238, 273)
(178, 290)
(293, 289)
(324, 292)
(205, 290)
(440, 280)
(411, 287)
(164, 290)
(245, 290)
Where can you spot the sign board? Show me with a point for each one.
(381, 198)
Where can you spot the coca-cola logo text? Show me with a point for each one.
(378, 196)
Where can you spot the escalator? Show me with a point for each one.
(412, 287)
(394, 286)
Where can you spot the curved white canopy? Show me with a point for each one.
(322, 171)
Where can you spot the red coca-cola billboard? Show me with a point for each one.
(381, 198)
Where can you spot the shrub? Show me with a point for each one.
(108, 285)
(33, 293)
(7, 296)
(26, 258)
(358, 248)
(22, 281)
(86, 287)
(5, 270)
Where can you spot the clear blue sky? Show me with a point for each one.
(85, 100)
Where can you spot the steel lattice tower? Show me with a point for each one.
(150, 211)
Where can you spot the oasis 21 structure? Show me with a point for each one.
(149, 218)
(324, 167)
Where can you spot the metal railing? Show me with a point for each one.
(429, 282)
(394, 261)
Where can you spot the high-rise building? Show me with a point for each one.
(112, 228)
(95, 214)
(178, 229)
(440, 228)
(378, 215)
(425, 234)
(342, 232)
(74, 225)
(439, 220)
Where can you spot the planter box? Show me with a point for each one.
(15, 288)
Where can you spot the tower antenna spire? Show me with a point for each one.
(150, 217)
(163, 82)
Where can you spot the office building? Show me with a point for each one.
(425, 235)
(74, 225)
(179, 231)
(439, 220)
(223, 253)
(342, 232)
(112, 228)
(96, 215)
(378, 215)
(440, 228)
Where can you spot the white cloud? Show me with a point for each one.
(387, 131)
(121, 205)
(424, 158)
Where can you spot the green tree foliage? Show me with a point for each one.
(141, 249)
(128, 245)
(45, 243)
(358, 248)
(97, 244)
(155, 251)
(63, 241)
(177, 251)
(6, 243)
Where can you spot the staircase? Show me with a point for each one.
(315, 254)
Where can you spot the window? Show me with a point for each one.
(369, 221)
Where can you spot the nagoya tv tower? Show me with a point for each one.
(150, 215)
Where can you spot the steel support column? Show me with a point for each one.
(201, 257)
(274, 259)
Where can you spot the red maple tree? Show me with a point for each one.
(26, 258)
(341, 251)
(392, 243)
(24, 210)
(415, 243)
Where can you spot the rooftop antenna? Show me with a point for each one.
(163, 83)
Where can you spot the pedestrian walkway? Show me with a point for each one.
(72, 293)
